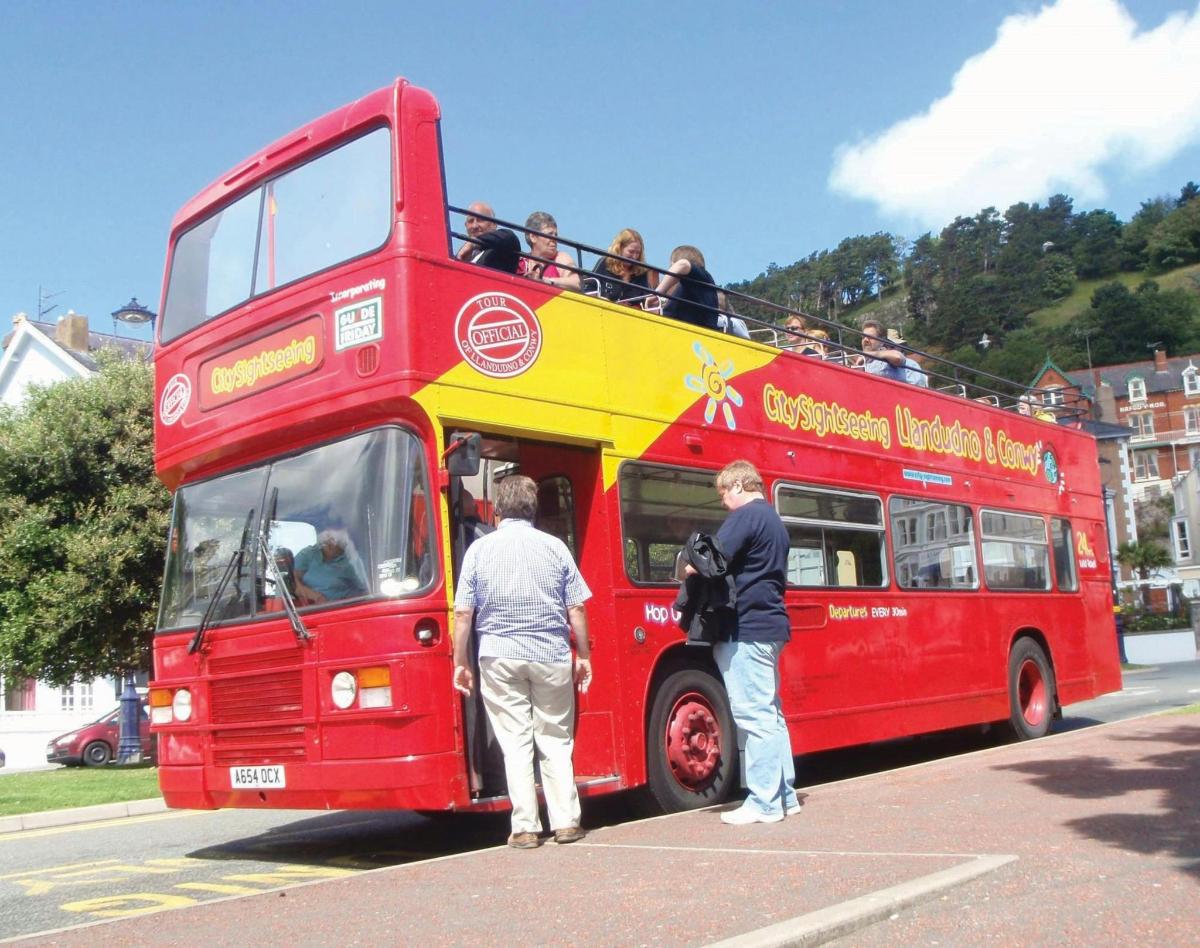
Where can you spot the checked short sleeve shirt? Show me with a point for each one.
(520, 582)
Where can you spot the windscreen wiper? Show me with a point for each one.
(235, 562)
(285, 594)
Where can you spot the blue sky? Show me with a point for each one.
(758, 131)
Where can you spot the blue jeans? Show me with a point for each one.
(751, 673)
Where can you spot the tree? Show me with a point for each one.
(1143, 559)
(82, 525)
(1175, 242)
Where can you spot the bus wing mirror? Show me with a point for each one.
(462, 454)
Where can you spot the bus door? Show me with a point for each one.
(569, 494)
(570, 507)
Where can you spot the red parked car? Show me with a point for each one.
(95, 744)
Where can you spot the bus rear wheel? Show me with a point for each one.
(691, 743)
(1030, 690)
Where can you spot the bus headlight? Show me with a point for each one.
(181, 705)
(343, 689)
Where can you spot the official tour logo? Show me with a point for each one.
(176, 396)
(498, 335)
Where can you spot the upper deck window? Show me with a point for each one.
(329, 210)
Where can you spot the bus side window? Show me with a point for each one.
(1064, 556)
(660, 507)
(835, 538)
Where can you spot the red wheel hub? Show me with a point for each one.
(693, 741)
(1031, 693)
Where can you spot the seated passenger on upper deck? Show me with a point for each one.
(498, 249)
(476, 227)
(620, 281)
(886, 361)
(549, 264)
(691, 288)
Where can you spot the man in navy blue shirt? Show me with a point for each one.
(755, 543)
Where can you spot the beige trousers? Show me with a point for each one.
(532, 705)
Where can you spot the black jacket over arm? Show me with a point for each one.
(707, 598)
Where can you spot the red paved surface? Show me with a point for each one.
(1105, 822)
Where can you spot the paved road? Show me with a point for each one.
(64, 876)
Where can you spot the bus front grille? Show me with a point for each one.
(260, 745)
(273, 697)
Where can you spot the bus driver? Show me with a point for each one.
(329, 569)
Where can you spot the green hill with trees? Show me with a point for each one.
(1036, 280)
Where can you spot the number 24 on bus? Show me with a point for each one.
(337, 395)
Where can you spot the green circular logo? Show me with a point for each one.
(1050, 466)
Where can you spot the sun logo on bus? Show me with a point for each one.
(712, 381)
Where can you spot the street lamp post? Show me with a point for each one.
(129, 743)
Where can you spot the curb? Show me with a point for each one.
(845, 918)
(82, 814)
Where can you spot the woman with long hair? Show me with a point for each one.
(621, 280)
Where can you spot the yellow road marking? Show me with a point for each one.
(77, 865)
(123, 906)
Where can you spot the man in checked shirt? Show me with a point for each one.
(526, 596)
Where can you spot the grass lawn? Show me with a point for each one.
(1190, 709)
(1080, 299)
(65, 787)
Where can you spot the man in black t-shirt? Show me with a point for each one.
(755, 543)
(691, 291)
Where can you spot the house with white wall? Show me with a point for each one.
(37, 353)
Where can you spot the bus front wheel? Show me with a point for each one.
(1030, 690)
(691, 742)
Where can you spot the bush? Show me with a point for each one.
(1154, 622)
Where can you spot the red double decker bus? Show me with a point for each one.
(334, 388)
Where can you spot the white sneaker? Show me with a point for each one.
(745, 815)
(794, 809)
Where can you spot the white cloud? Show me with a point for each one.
(1063, 95)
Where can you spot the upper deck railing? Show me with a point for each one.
(842, 346)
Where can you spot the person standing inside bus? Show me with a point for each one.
(524, 592)
(755, 543)
(476, 227)
(690, 288)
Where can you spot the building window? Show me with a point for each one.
(1052, 397)
(1183, 546)
(20, 694)
(1137, 390)
(1145, 465)
(1142, 424)
(1191, 381)
(1191, 420)
(77, 697)
(1194, 455)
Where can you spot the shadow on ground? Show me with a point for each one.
(1166, 825)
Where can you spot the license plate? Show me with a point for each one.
(257, 778)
